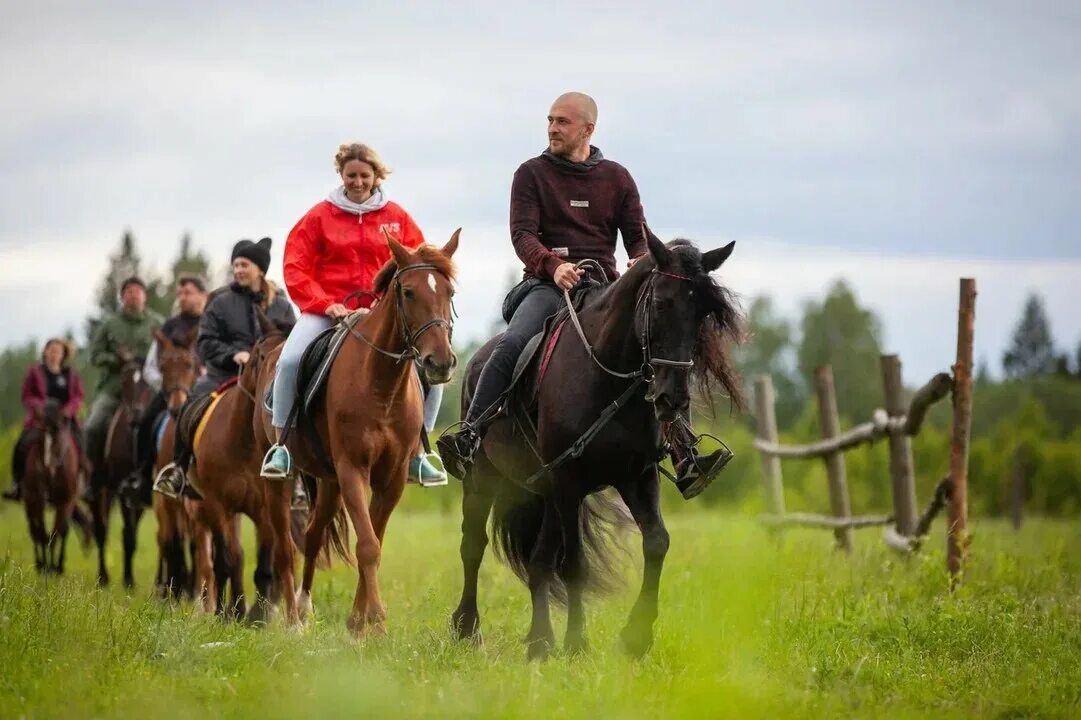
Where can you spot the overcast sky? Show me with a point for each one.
(901, 147)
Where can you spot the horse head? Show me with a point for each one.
(685, 322)
(421, 281)
(179, 366)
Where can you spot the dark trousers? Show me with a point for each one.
(528, 320)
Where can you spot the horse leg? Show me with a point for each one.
(238, 607)
(476, 506)
(643, 500)
(278, 497)
(382, 505)
(572, 570)
(327, 503)
(263, 607)
(131, 515)
(35, 520)
(164, 580)
(542, 564)
(58, 542)
(356, 491)
(204, 568)
(102, 501)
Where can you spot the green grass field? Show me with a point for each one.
(748, 627)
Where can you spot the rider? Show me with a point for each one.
(331, 256)
(191, 300)
(129, 331)
(54, 379)
(228, 329)
(566, 206)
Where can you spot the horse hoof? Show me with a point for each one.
(103, 581)
(576, 646)
(539, 650)
(636, 643)
(355, 625)
(466, 627)
(262, 613)
(304, 605)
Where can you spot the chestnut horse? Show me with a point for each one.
(225, 471)
(51, 478)
(119, 463)
(179, 367)
(370, 420)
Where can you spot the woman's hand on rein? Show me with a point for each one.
(337, 311)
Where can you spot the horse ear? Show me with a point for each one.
(452, 245)
(160, 337)
(401, 255)
(193, 336)
(656, 247)
(715, 258)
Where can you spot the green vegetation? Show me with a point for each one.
(749, 628)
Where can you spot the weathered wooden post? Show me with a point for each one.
(901, 474)
(957, 535)
(766, 429)
(829, 424)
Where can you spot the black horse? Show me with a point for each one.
(663, 321)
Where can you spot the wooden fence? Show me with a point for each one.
(898, 424)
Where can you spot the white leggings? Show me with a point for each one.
(285, 380)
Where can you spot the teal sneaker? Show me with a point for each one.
(277, 463)
(422, 472)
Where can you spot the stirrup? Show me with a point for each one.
(438, 483)
(163, 484)
(272, 473)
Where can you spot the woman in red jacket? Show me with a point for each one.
(52, 378)
(335, 251)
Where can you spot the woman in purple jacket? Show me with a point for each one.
(52, 378)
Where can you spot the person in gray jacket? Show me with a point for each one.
(228, 329)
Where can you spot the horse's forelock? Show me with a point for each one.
(428, 254)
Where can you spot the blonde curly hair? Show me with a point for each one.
(360, 151)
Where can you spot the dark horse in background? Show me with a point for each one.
(51, 478)
(118, 463)
(662, 314)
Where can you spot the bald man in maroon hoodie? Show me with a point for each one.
(566, 205)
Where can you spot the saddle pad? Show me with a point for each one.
(215, 398)
(316, 361)
(159, 429)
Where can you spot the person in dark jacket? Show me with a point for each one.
(54, 379)
(228, 329)
(191, 299)
(566, 205)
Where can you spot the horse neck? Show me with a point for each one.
(384, 329)
(609, 321)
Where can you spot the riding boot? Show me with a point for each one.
(694, 472)
(458, 448)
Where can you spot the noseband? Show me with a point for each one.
(410, 337)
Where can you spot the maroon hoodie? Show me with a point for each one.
(35, 393)
(561, 211)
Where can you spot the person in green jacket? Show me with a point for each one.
(131, 331)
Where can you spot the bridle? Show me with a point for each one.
(409, 336)
(178, 353)
(642, 306)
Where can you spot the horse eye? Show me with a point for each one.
(407, 293)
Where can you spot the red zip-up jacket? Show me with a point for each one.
(331, 253)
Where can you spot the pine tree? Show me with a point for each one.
(1032, 350)
(190, 262)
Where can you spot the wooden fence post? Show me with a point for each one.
(829, 423)
(957, 535)
(766, 429)
(901, 474)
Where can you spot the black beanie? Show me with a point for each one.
(257, 252)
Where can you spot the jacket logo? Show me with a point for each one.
(579, 203)
(390, 227)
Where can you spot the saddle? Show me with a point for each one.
(315, 364)
(193, 414)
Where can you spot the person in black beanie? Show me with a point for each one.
(228, 329)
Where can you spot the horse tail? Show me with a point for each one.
(336, 537)
(601, 521)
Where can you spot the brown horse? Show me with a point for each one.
(370, 420)
(51, 478)
(119, 463)
(179, 367)
(225, 471)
